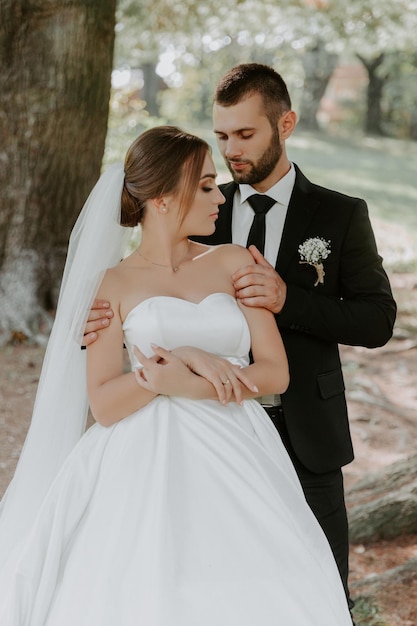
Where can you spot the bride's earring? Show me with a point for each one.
(160, 205)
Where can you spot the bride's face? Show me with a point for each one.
(202, 215)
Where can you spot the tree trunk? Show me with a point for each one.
(55, 73)
(373, 119)
(151, 86)
(318, 67)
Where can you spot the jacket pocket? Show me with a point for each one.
(331, 384)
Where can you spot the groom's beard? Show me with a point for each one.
(263, 167)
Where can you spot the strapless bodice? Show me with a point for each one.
(215, 324)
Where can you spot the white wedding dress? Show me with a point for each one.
(186, 513)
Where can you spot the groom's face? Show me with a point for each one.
(247, 142)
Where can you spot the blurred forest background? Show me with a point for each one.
(80, 79)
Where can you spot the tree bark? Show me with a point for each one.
(55, 72)
(318, 67)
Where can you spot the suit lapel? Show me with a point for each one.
(301, 210)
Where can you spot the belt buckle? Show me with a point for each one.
(270, 400)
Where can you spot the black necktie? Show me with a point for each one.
(261, 205)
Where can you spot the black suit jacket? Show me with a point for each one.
(354, 306)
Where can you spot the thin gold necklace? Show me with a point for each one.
(174, 269)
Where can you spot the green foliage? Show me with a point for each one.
(362, 25)
(374, 26)
(202, 40)
(201, 69)
(366, 613)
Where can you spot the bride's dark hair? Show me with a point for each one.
(163, 160)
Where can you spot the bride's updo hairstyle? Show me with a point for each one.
(162, 161)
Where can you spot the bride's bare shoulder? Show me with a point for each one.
(229, 256)
(109, 283)
(235, 254)
(114, 280)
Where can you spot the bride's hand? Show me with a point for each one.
(226, 378)
(164, 374)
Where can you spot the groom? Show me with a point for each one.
(332, 291)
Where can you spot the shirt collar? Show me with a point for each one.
(280, 192)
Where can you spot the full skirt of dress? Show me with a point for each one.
(186, 513)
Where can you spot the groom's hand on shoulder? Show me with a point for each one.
(99, 318)
(260, 285)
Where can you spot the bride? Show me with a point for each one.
(180, 506)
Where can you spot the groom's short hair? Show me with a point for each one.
(247, 79)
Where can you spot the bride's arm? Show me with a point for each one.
(269, 370)
(114, 394)
(268, 374)
(226, 377)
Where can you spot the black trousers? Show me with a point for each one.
(325, 496)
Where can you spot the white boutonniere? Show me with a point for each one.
(313, 252)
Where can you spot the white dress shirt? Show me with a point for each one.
(242, 215)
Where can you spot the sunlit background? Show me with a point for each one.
(351, 69)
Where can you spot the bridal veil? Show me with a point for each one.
(59, 416)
